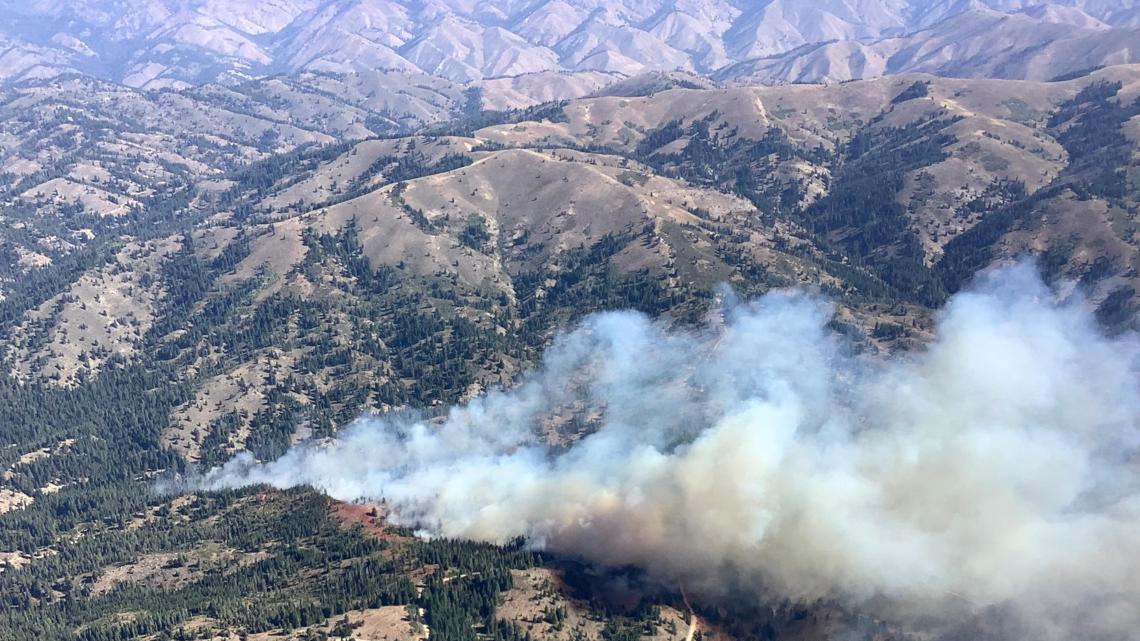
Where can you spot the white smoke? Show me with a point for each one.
(995, 466)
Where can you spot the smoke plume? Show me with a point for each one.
(996, 466)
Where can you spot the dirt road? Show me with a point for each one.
(693, 621)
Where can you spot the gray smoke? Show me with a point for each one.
(996, 466)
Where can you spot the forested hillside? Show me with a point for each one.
(186, 275)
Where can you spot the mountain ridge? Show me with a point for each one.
(308, 212)
(166, 44)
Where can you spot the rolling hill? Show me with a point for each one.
(248, 263)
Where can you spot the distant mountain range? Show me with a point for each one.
(175, 43)
(228, 227)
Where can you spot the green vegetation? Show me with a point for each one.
(289, 565)
(920, 89)
(1089, 127)
(301, 353)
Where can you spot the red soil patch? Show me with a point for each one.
(370, 516)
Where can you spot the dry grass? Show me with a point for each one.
(387, 623)
(242, 390)
(60, 192)
(13, 500)
(537, 591)
(17, 560)
(104, 313)
(170, 571)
